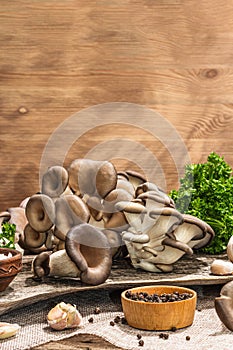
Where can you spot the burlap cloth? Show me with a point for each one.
(206, 333)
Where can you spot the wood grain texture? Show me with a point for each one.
(58, 58)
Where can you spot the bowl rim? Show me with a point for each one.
(159, 286)
(16, 255)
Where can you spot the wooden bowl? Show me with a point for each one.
(159, 316)
(9, 267)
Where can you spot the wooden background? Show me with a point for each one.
(60, 57)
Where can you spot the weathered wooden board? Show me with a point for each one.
(58, 58)
(24, 290)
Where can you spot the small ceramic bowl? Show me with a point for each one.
(9, 267)
(159, 316)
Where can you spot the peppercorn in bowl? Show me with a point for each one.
(159, 307)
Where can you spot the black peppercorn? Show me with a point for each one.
(112, 323)
(187, 337)
(139, 336)
(91, 320)
(117, 319)
(141, 342)
(97, 310)
(123, 320)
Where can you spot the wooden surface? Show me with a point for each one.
(58, 58)
(187, 271)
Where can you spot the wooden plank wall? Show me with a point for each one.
(60, 57)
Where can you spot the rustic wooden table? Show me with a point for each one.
(89, 342)
(188, 271)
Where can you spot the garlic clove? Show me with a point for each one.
(8, 330)
(64, 316)
(221, 267)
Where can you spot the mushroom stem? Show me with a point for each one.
(136, 238)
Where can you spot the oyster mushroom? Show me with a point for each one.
(40, 265)
(135, 178)
(224, 305)
(92, 177)
(125, 185)
(95, 207)
(116, 221)
(40, 212)
(89, 249)
(148, 253)
(70, 211)
(32, 238)
(115, 241)
(221, 267)
(196, 230)
(154, 192)
(230, 249)
(133, 212)
(54, 181)
(115, 196)
(87, 255)
(152, 200)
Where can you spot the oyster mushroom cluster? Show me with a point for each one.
(89, 213)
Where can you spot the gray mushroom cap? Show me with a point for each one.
(89, 249)
(224, 305)
(54, 181)
(95, 178)
(40, 212)
(202, 233)
(70, 211)
(32, 238)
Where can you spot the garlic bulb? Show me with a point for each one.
(8, 330)
(64, 316)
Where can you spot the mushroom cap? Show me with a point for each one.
(156, 198)
(221, 267)
(116, 221)
(89, 249)
(173, 217)
(115, 241)
(70, 211)
(95, 207)
(32, 238)
(230, 249)
(115, 196)
(135, 178)
(125, 185)
(40, 212)
(40, 265)
(133, 207)
(92, 177)
(54, 181)
(203, 233)
(224, 305)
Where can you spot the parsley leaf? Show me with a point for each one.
(206, 191)
(7, 235)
